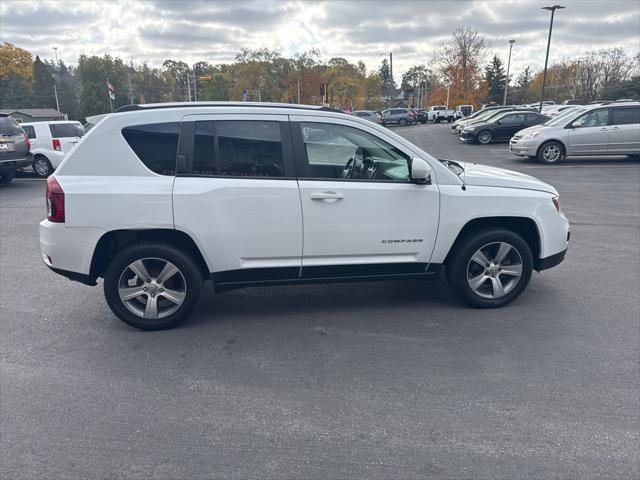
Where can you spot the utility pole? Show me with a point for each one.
(130, 87)
(506, 82)
(188, 85)
(448, 87)
(298, 90)
(55, 91)
(546, 60)
(391, 67)
(55, 51)
(195, 86)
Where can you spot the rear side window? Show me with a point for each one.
(9, 127)
(65, 130)
(238, 148)
(156, 145)
(30, 131)
(625, 116)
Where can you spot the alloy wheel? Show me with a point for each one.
(494, 270)
(152, 288)
(551, 153)
(41, 166)
(484, 137)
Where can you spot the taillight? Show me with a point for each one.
(55, 201)
(56, 144)
(26, 140)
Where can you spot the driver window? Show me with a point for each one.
(341, 152)
(595, 118)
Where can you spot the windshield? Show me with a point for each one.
(565, 116)
(491, 114)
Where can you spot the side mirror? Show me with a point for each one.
(499, 122)
(576, 124)
(420, 171)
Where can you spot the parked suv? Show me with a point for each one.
(50, 142)
(220, 190)
(370, 115)
(600, 129)
(14, 148)
(397, 116)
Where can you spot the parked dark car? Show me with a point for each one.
(422, 116)
(501, 127)
(397, 116)
(14, 148)
(368, 115)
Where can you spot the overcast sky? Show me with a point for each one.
(214, 31)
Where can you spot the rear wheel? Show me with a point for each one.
(485, 137)
(550, 152)
(152, 286)
(402, 122)
(490, 268)
(42, 166)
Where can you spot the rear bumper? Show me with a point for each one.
(552, 261)
(14, 163)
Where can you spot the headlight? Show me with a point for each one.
(556, 203)
(530, 135)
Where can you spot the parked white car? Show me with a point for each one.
(432, 111)
(158, 198)
(602, 129)
(50, 142)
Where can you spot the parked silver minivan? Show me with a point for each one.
(609, 128)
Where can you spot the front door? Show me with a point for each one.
(362, 214)
(235, 191)
(508, 125)
(590, 135)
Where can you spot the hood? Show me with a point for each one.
(535, 128)
(480, 124)
(486, 176)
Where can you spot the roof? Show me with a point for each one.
(152, 106)
(34, 112)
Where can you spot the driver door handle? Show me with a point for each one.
(326, 196)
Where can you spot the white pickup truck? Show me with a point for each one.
(432, 111)
(444, 114)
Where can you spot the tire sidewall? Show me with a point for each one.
(457, 269)
(183, 261)
(47, 162)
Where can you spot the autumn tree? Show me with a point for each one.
(16, 74)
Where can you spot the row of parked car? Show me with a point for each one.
(40, 146)
(603, 128)
(413, 116)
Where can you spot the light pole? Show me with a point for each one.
(506, 82)
(55, 52)
(546, 60)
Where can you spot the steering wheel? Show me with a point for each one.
(355, 165)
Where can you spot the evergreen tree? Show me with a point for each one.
(386, 80)
(43, 80)
(496, 78)
(523, 81)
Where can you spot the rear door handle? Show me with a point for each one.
(326, 196)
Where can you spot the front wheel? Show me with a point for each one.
(490, 268)
(550, 152)
(485, 137)
(152, 286)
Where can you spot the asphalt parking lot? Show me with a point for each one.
(373, 380)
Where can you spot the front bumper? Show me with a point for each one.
(466, 136)
(523, 148)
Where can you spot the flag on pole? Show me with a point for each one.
(111, 90)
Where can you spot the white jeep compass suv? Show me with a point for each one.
(158, 198)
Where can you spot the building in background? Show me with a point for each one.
(34, 114)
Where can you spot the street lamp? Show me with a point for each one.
(546, 60)
(506, 82)
(55, 51)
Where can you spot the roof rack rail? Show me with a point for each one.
(153, 106)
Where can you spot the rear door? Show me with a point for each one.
(592, 136)
(67, 134)
(624, 136)
(236, 193)
(362, 215)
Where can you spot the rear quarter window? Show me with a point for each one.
(66, 130)
(625, 116)
(9, 127)
(156, 145)
(30, 131)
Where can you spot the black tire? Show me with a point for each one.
(436, 120)
(183, 261)
(6, 176)
(484, 140)
(545, 155)
(402, 122)
(42, 166)
(460, 260)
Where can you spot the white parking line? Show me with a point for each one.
(583, 166)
